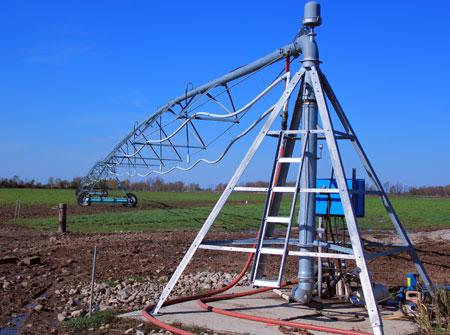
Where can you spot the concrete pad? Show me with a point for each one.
(269, 304)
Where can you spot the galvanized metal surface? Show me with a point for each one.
(373, 176)
(256, 276)
(231, 185)
(353, 229)
(128, 153)
(307, 210)
(289, 147)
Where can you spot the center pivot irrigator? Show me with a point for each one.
(173, 135)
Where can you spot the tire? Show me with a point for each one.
(83, 199)
(132, 200)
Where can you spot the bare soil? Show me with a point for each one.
(67, 259)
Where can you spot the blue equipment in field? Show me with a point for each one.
(411, 281)
(101, 196)
(333, 200)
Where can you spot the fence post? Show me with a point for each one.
(62, 209)
(17, 211)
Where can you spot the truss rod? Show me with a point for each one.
(292, 49)
(373, 176)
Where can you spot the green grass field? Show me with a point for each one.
(231, 218)
(47, 197)
(413, 212)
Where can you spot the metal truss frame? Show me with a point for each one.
(149, 147)
(355, 251)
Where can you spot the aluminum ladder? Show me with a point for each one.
(269, 217)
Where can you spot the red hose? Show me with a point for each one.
(202, 304)
(279, 322)
(146, 311)
(202, 298)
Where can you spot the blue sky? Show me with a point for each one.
(76, 75)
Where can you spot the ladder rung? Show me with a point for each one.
(272, 251)
(284, 189)
(266, 283)
(363, 192)
(319, 190)
(289, 159)
(278, 219)
(274, 133)
(250, 189)
(320, 254)
(299, 131)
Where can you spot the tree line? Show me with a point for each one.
(432, 191)
(57, 183)
(151, 184)
(158, 184)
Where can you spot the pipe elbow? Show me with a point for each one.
(302, 295)
(308, 47)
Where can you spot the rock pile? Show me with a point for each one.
(136, 293)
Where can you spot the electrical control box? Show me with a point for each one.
(333, 200)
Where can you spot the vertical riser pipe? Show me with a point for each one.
(307, 212)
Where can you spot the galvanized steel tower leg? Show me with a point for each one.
(233, 181)
(352, 226)
(371, 173)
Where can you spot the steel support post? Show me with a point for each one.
(350, 217)
(373, 176)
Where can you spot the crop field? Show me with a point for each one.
(189, 210)
(48, 197)
(148, 242)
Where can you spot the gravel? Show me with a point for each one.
(136, 293)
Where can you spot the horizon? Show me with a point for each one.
(55, 180)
